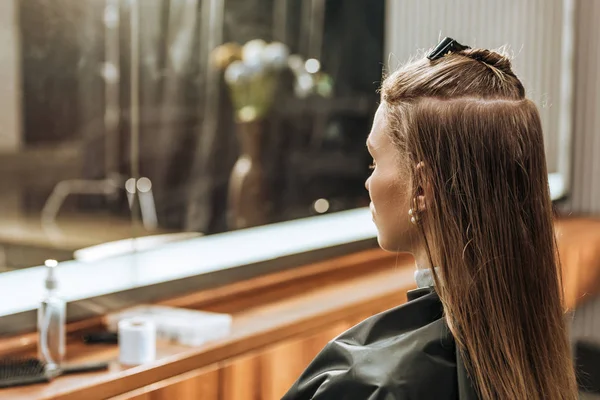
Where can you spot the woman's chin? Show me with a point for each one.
(383, 243)
(392, 243)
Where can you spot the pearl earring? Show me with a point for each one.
(414, 213)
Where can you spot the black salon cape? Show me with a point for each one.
(404, 353)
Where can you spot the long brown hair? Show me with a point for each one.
(487, 222)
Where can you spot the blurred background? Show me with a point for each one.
(165, 120)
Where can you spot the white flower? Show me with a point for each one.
(252, 52)
(275, 55)
(236, 73)
(254, 66)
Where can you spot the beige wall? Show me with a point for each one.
(585, 183)
(10, 104)
(532, 30)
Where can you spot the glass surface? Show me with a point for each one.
(169, 119)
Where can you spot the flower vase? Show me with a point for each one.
(246, 197)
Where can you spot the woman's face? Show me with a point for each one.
(389, 189)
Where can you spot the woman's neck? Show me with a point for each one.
(423, 274)
(421, 257)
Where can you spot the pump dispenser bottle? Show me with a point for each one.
(51, 321)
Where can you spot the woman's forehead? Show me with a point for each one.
(377, 136)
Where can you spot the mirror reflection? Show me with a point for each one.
(169, 119)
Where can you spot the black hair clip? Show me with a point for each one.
(444, 47)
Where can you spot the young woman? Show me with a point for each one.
(459, 180)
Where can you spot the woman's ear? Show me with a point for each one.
(424, 191)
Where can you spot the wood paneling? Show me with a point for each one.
(283, 363)
(197, 384)
(239, 379)
(280, 366)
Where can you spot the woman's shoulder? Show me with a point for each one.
(403, 353)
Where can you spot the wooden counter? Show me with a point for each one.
(280, 322)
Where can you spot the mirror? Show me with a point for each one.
(128, 119)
